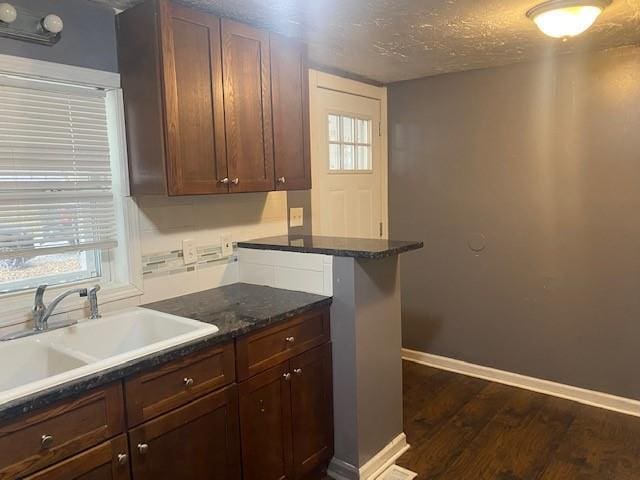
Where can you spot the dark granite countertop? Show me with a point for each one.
(371, 248)
(235, 309)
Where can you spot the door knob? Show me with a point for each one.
(290, 339)
(143, 448)
(188, 382)
(282, 180)
(286, 376)
(224, 181)
(235, 181)
(122, 459)
(297, 371)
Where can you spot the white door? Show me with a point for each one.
(348, 175)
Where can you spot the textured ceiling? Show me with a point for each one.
(392, 40)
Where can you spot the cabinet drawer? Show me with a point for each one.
(266, 348)
(107, 461)
(69, 427)
(176, 383)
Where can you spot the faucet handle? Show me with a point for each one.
(95, 289)
(83, 292)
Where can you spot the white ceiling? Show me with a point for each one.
(392, 40)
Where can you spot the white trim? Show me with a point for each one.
(346, 85)
(340, 470)
(581, 395)
(40, 69)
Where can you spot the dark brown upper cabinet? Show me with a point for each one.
(211, 106)
(247, 106)
(171, 72)
(290, 100)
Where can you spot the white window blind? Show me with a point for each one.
(55, 171)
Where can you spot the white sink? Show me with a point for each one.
(29, 362)
(41, 361)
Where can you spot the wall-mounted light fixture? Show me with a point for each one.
(21, 24)
(566, 18)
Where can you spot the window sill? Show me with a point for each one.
(16, 308)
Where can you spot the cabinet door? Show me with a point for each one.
(311, 407)
(193, 101)
(194, 442)
(108, 461)
(247, 107)
(290, 101)
(265, 424)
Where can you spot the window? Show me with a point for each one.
(349, 143)
(57, 218)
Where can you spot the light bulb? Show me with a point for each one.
(8, 13)
(52, 23)
(566, 18)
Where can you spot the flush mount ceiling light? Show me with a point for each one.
(566, 18)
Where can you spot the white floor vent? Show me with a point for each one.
(394, 472)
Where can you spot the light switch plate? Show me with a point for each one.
(296, 217)
(189, 252)
(226, 244)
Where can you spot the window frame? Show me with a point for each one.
(124, 261)
(355, 143)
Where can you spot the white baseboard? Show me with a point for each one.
(588, 397)
(340, 470)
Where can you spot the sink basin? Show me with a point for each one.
(32, 361)
(140, 330)
(41, 361)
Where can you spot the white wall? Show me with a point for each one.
(165, 222)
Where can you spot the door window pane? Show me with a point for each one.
(347, 129)
(334, 156)
(334, 128)
(348, 161)
(350, 143)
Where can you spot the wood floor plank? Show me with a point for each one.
(431, 454)
(599, 445)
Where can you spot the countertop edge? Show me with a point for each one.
(371, 255)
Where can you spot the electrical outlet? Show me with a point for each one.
(226, 244)
(296, 217)
(189, 252)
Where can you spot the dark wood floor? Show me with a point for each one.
(464, 428)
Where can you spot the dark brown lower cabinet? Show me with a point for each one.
(194, 442)
(107, 461)
(311, 410)
(286, 418)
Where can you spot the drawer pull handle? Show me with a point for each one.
(143, 448)
(46, 441)
(297, 371)
(286, 376)
(188, 382)
(290, 339)
(122, 458)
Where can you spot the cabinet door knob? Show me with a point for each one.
(122, 459)
(290, 339)
(224, 181)
(143, 448)
(235, 181)
(46, 441)
(286, 376)
(282, 180)
(297, 371)
(188, 381)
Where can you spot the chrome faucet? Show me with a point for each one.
(93, 303)
(41, 312)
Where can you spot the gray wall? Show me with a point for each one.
(524, 183)
(88, 39)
